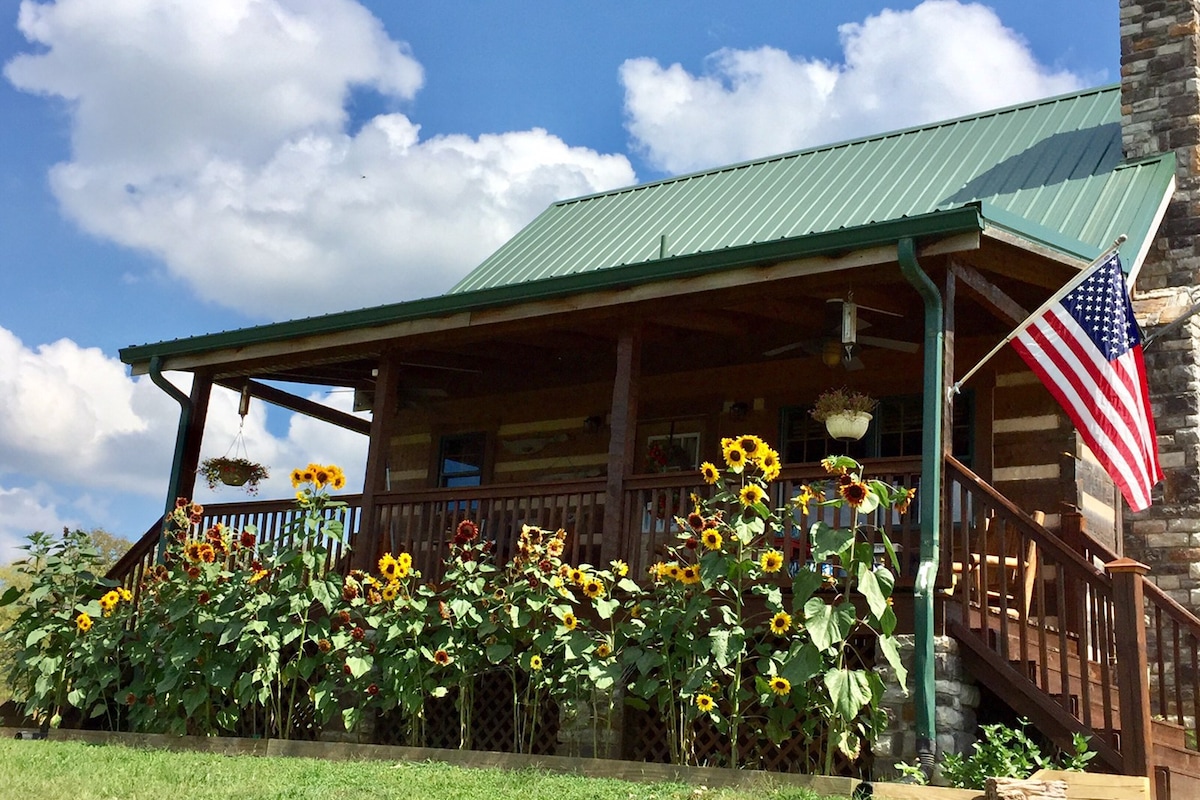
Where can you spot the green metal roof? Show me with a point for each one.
(1050, 170)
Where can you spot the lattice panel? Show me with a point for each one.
(491, 719)
(645, 739)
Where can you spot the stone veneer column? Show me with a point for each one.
(1160, 112)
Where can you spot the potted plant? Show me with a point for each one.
(846, 414)
(233, 472)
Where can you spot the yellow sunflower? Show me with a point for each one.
(780, 686)
(593, 588)
(297, 477)
(771, 561)
(389, 567)
(569, 621)
(751, 494)
(705, 703)
(711, 539)
(577, 576)
(391, 591)
(710, 473)
(619, 568)
(768, 462)
(752, 446)
(535, 663)
(603, 650)
(854, 493)
(689, 574)
(126, 595)
(735, 456)
(83, 622)
(781, 623)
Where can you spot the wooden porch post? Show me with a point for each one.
(1133, 677)
(621, 442)
(189, 457)
(366, 546)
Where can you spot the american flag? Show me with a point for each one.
(1087, 350)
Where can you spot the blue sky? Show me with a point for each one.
(172, 168)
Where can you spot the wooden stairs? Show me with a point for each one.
(1072, 637)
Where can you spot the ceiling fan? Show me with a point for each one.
(844, 340)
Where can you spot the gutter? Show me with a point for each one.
(924, 695)
(185, 422)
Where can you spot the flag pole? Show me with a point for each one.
(1054, 298)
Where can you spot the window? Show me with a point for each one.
(896, 430)
(460, 459)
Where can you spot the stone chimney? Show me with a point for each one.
(1160, 112)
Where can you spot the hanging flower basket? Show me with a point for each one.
(846, 414)
(848, 426)
(233, 472)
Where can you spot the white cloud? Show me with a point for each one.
(941, 59)
(215, 136)
(83, 444)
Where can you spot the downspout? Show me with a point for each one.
(924, 696)
(185, 421)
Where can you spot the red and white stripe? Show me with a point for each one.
(1107, 401)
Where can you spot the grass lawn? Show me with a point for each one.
(77, 771)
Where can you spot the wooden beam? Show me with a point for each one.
(990, 295)
(1133, 680)
(190, 456)
(622, 441)
(387, 388)
(947, 398)
(301, 405)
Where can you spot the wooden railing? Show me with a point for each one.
(653, 501)
(1041, 614)
(423, 523)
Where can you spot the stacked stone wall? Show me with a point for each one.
(1160, 110)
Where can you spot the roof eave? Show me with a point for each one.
(958, 220)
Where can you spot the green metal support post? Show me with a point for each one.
(930, 504)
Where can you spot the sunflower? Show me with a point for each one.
(389, 567)
(619, 568)
(780, 686)
(751, 495)
(577, 576)
(192, 551)
(710, 473)
(207, 554)
(853, 492)
(705, 703)
(768, 462)
(321, 477)
(689, 574)
(569, 621)
(752, 446)
(405, 562)
(695, 520)
(126, 595)
(603, 650)
(297, 477)
(711, 539)
(781, 623)
(256, 577)
(391, 591)
(771, 561)
(442, 658)
(554, 548)
(593, 588)
(535, 663)
(672, 570)
(83, 622)
(735, 456)
(805, 497)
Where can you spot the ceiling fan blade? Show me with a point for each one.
(889, 344)
(776, 351)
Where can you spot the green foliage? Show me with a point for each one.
(231, 636)
(56, 592)
(696, 651)
(1004, 752)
